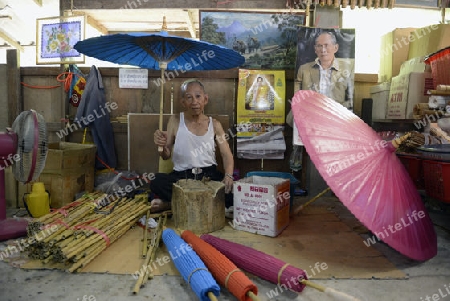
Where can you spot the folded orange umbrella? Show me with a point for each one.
(223, 270)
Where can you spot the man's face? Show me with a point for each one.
(195, 99)
(324, 48)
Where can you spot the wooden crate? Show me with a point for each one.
(69, 170)
(64, 156)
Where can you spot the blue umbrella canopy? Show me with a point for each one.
(153, 51)
(160, 51)
(190, 266)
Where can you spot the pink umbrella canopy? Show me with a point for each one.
(365, 174)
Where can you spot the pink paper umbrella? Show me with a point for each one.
(365, 174)
(270, 268)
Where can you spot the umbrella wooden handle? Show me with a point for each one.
(163, 67)
(301, 207)
(337, 295)
(397, 141)
(252, 296)
(211, 296)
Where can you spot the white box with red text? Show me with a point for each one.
(261, 205)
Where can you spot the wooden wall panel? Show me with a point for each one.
(362, 90)
(220, 85)
(4, 112)
(47, 102)
(139, 4)
(15, 106)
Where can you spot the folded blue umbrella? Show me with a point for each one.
(190, 266)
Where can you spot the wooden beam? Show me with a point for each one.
(10, 40)
(15, 102)
(191, 18)
(140, 4)
(91, 21)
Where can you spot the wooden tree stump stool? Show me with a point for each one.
(198, 206)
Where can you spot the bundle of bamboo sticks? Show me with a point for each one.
(421, 110)
(75, 234)
(152, 248)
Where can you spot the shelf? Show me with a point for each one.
(399, 125)
(439, 92)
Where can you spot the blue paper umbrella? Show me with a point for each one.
(160, 51)
(190, 266)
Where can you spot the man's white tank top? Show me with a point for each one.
(190, 151)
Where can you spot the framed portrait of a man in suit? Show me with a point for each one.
(326, 63)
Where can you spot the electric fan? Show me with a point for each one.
(24, 147)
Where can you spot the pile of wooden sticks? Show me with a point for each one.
(75, 234)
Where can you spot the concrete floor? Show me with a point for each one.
(427, 281)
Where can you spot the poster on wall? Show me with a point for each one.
(267, 40)
(260, 102)
(326, 64)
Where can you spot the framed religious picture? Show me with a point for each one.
(260, 102)
(266, 40)
(56, 37)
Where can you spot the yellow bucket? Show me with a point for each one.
(37, 202)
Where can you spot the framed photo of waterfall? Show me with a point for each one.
(267, 40)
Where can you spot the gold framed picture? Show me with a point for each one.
(56, 37)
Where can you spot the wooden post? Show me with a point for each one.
(15, 102)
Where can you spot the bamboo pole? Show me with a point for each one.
(144, 243)
(151, 253)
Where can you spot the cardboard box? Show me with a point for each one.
(406, 91)
(393, 52)
(67, 155)
(416, 64)
(261, 205)
(380, 97)
(69, 170)
(426, 40)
